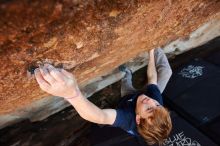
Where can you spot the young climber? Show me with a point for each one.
(140, 113)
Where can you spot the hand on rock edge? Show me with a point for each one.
(57, 82)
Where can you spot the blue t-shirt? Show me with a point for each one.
(126, 117)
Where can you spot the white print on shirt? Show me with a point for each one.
(191, 71)
(130, 100)
(180, 139)
(131, 132)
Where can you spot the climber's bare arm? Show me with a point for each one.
(59, 82)
(151, 69)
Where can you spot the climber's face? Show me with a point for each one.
(145, 105)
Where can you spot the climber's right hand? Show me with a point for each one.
(57, 82)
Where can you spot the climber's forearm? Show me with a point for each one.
(91, 112)
(151, 69)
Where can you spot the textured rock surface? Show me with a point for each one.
(89, 38)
